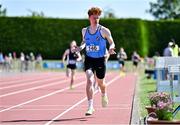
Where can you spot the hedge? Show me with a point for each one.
(51, 37)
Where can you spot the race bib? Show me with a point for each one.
(72, 62)
(92, 48)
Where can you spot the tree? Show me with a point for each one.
(2, 11)
(109, 13)
(165, 9)
(36, 14)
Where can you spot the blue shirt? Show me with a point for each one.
(95, 44)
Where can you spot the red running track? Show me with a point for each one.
(45, 99)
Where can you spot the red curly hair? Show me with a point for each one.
(94, 10)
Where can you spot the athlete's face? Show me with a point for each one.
(94, 19)
(73, 45)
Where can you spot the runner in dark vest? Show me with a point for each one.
(71, 58)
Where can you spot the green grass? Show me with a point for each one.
(146, 86)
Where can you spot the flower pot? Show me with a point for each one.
(162, 122)
(150, 109)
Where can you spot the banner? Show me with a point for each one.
(80, 65)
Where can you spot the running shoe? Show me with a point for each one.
(104, 101)
(122, 74)
(71, 87)
(89, 111)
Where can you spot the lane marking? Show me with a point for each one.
(73, 106)
(29, 83)
(114, 105)
(37, 87)
(61, 109)
(41, 97)
(25, 78)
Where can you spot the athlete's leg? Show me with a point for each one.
(95, 85)
(90, 82)
(122, 69)
(72, 78)
(100, 74)
(68, 72)
(101, 83)
(90, 91)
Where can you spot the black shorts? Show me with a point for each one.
(71, 66)
(121, 62)
(97, 65)
(135, 63)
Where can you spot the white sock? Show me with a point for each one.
(90, 103)
(104, 94)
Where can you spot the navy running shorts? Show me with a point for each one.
(71, 66)
(97, 65)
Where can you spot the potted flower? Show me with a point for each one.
(164, 110)
(162, 105)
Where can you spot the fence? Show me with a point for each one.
(168, 76)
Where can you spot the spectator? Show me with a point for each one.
(168, 51)
(175, 49)
(7, 63)
(38, 63)
(27, 58)
(1, 61)
(22, 62)
(32, 61)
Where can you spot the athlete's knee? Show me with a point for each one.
(90, 76)
(100, 82)
(89, 73)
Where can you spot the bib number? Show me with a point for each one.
(72, 62)
(92, 48)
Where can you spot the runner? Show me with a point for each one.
(72, 57)
(121, 58)
(95, 38)
(135, 59)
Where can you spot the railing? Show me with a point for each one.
(168, 75)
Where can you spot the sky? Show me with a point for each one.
(78, 8)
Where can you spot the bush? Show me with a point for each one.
(51, 37)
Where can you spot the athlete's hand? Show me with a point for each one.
(111, 51)
(76, 49)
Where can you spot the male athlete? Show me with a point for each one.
(94, 41)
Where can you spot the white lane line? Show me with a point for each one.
(73, 106)
(30, 82)
(25, 90)
(61, 105)
(24, 79)
(41, 97)
(61, 109)
(33, 88)
(69, 109)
